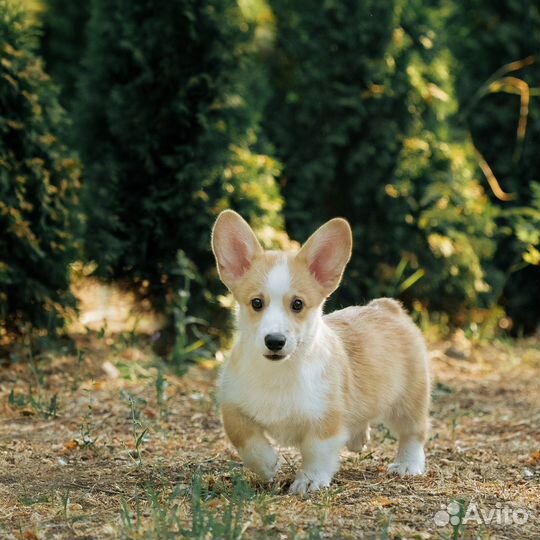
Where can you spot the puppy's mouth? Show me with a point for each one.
(275, 356)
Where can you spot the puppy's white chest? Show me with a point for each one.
(277, 397)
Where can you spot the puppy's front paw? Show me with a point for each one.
(262, 459)
(407, 468)
(267, 470)
(304, 483)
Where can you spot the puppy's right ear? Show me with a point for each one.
(234, 245)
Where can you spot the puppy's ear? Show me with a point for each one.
(327, 252)
(234, 245)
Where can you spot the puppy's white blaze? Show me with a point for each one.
(278, 284)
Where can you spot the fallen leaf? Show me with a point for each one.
(70, 445)
(382, 501)
(535, 458)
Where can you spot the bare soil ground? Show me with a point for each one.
(124, 453)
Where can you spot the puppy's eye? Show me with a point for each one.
(297, 305)
(257, 304)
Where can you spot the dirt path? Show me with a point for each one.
(82, 474)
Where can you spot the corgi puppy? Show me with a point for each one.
(308, 380)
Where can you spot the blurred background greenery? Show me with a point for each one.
(127, 126)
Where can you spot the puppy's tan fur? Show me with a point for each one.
(339, 372)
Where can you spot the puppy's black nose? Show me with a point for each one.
(275, 342)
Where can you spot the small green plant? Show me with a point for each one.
(364, 457)
(263, 508)
(130, 526)
(164, 512)
(164, 519)
(87, 440)
(314, 533)
(102, 331)
(161, 396)
(129, 339)
(385, 522)
(207, 523)
(456, 415)
(65, 504)
(139, 434)
(385, 432)
(31, 499)
(39, 376)
(21, 401)
(81, 355)
(457, 524)
(190, 343)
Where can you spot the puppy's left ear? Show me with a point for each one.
(327, 252)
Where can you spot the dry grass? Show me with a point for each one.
(78, 475)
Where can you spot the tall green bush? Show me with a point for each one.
(364, 120)
(63, 43)
(39, 186)
(497, 45)
(168, 137)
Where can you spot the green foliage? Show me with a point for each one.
(163, 100)
(380, 112)
(249, 182)
(363, 119)
(206, 523)
(39, 185)
(497, 46)
(164, 519)
(63, 41)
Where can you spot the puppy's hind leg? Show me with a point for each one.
(411, 459)
(409, 418)
(411, 423)
(358, 441)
